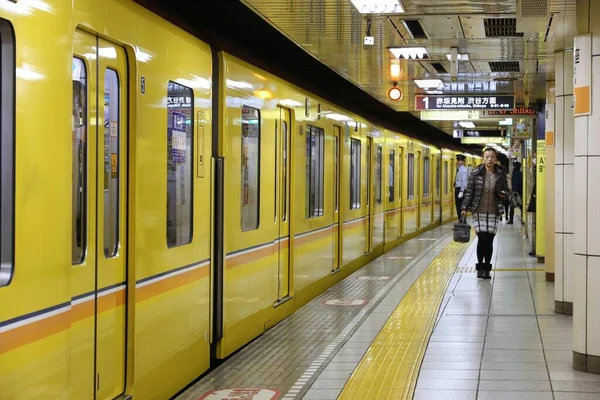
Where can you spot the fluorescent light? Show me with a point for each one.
(428, 83)
(408, 52)
(506, 121)
(461, 57)
(434, 92)
(378, 6)
(467, 124)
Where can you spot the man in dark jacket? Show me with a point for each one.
(517, 187)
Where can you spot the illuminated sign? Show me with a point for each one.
(464, 102)
(435, 115)
(484, 140)
(479, 133)
(514, 111)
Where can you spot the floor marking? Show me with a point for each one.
(370, 306)
(518, 269)
(390, 367)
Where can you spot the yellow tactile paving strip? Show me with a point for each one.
(389, 369)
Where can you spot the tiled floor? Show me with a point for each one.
(500, 339)
(494, 339)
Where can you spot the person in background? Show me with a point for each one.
(460, 182)
(486, 190)
(517, 187)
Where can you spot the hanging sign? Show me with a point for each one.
(443, 115)
(469, 102)
(582, 75)
(525, 111)
(484, 140)
(459, 133)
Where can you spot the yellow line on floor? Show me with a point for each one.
(390, 367)
(517, 269)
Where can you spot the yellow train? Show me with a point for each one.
(190, 209)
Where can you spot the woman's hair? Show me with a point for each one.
(490, 149)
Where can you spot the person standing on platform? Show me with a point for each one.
(486, 190)
(460, 182)
(517, 187)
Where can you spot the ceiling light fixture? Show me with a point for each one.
(408, 52)
(378, 6)
(428, 83)
(395, 93)
(461, 57)
(467, 124)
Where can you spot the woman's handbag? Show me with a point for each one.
(462, 231)
(515, 200)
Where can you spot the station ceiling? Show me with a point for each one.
(500, 59)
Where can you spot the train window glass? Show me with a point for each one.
(336, 187)
(426, 177)
(445, 177)
(437, 177)
(79, 161)
(355, 167)
(378, 177)
(284, 131)
(180, 100)
(112, 161)
(275, 172)
(250, 194)
(392, 175)
(7, 155)
(315, 160)
(411, 176)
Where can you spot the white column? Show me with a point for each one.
(586, 308)
(550, 174)
(563, 184)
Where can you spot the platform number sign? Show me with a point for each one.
(481, 102)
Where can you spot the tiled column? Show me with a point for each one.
(586, 310)
(550, 178)
(563, 183)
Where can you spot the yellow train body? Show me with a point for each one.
(112, 293)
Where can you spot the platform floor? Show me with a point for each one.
(417, 323)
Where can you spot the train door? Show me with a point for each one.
(369, 222)
(100, 98)
(282, 195)
(418, 182)
(337, 231)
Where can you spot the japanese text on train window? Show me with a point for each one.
(411, 176)
(391, 175)
(250, 193)
(79, 163)
(112, 161)
(426, 177)
(355, 167)
(315, 161)
(378, 177)
(180, 136)
(7, 155)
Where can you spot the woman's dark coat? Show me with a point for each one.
(475, 188)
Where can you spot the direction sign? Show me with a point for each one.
(515, 111)
(458, 133)
(484, 140)
(470, 102)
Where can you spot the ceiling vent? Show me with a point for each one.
(532, 15)
(504, 66)
(439, 68)
(415, 28)
(501, 27)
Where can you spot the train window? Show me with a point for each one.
(355, 167)
(411, 176)
(7, 154)
(426, 177)
(284, 131)
(180, 100)
(378, 175)
(315, 160)
(336, 187)
(437, 178)
(79, 161)
(250, 194)
(445, 177)
(392, 175)
(112, 160)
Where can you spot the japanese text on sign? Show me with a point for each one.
(178, 101)
(464, 102)
(178, 137)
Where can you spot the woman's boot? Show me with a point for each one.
(487, 269)
(480, 270)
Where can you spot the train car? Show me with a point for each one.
(197, 202)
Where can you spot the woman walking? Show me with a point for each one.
(486, 190)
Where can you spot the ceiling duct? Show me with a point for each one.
(439, 68)
(415, 28)
(532, 15)
(501, 27)
(504, 66)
